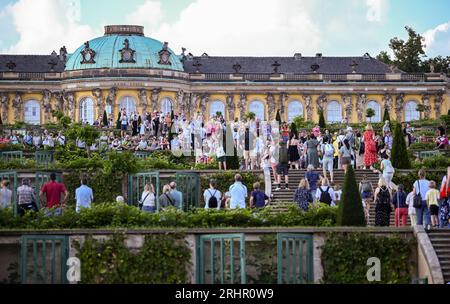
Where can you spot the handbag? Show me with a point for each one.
(141, 203)
(417, 200)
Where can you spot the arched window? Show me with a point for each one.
(258, 108)
(166, 105)
(129, 104)
(377, 109)
(216, 106)
(295, 108)
(411, 112)
(32, 112)
(87, 110)
(334, 112)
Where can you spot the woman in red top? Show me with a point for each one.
(444, 209)
(370, 147)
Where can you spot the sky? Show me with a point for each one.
(231, 27)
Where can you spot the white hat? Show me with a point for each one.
(120, 199)
(349, 129)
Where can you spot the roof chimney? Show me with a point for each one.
(319, 55)
(298, 56)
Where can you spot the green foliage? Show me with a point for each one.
(399, 155)
(322, 123)
(249, 116)
(300, 122)
(105, 119)
(434, 162)
(293, 128)
(87, 133)
(345, 255)
(408, 179)
(386, 115)
(440, 65)
(278, 117)
(370, 113)
(446, 119)
(350, 212)
(163, 259)
(115, 215)
(408, 54)
(384, 57)
(120, 163)
(422, 146)
(19, 164)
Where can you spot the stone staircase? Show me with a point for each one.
(440, 239)
(372, 217)
(284, 197)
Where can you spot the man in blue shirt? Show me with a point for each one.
(84, 196)
(238, 193)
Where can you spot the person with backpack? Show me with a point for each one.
(212, 196)
(283, 166)
(366, 191)
(258, 199)
(420, 189)
(325, 193)
(383, 204)
(327, 150)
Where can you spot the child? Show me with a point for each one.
(432, 198)
(338, 193)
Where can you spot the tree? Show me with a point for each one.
(408, 54)
(420, 108)
(384, 57)
(105, 119)
(293, 128)
(370, 113)
(86, 133)
(386, 115)
(438, 64)
(250, 116)
(350, 211)
(399, 153)
(322, 123)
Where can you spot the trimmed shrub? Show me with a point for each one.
(386, 115)
(399, 154)
(350, 212)
(322, 123)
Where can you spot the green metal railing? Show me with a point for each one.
(41, 179)
(189, 185)
(11, 155)
(136, 184)
(142, 154)
(43, 259)
(11, 176)
(43, 157)
(217, 259)
(295, 258)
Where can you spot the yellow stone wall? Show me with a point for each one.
(79, 95)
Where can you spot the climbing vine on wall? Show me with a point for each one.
(163, 259)
(345, 255)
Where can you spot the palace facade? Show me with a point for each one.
(125, 69)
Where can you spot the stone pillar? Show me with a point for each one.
(399, 102)
(242, 106)
(4, 100)
(111, 100)
(426, 106)
(231, 107)
(308, 107)
(438, 100)
(99, 105)
(348, 106)
(270, 100)
(361, 107)
(387, 103)
(18, 107)
(155, 98)
(282, 103)
(69, 104)
(143, 101)
(47, 105)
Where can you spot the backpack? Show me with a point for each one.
(212, 202)
(329, 150)
(384, 197)
(325, 196)
(283, 155)
(417, 200)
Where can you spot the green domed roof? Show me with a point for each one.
(108, 51)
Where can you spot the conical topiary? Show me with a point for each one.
(118, 121)
(278, 117)
(386, 115)
(105, 119)
(322, 123)
(350, 212)
(399, 153)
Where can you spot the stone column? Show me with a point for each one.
(58, 95)
(387, 99)
(399, 103)
(231, 107)
(143, 101)
(281, 104)
(438, 100)
(18, 107)
(242, 106)
(348, 106)
(308, 107)
(69, 104)
(155, 98)
(98, 96)
(111, 100)
(47, 105)
(361, 107)
(4, 99)
(203, 103)
(426, 106)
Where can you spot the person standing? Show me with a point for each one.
(312, 177)
(265, 165)
(327, 150)
(52, 192)
(370, 148)
(383, 204)
(411, 209)
(124, 124)
(177, 195)
(400, 206)
(420, 188)
(346, 155)
(388, 169)
(294, 156)
(312, 151)
(212, 196)
(148, 199)
(5, 195)
(238, 193)
(303, 197)
(444, 210)
(26, 198)
(432, 198)
(84, 196)
(283, 166)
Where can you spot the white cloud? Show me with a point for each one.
(148, 14)
(47, 25)
(376, 10)
(236, 27)
(437, 40)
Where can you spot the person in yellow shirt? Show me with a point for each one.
(336, 151)
(432, 198)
